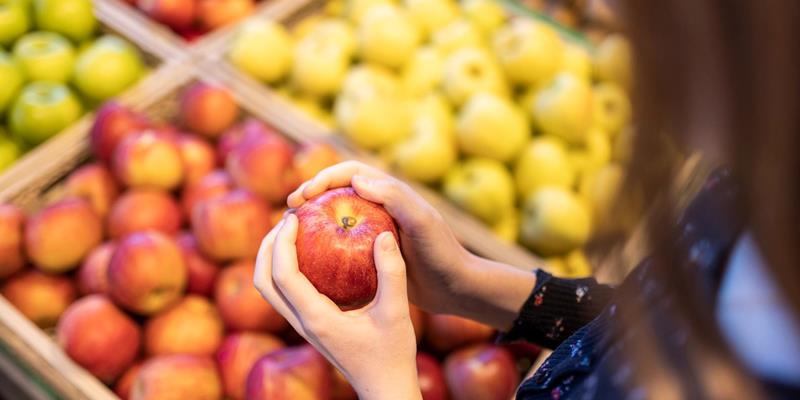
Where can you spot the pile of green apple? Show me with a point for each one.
(519, 127)
(52, 67)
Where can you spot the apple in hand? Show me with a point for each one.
(431, 378)
(335, 239)
(107, 67)
(231, 226)
(11, 239)
(201, 272)
(191, 326)
(207, 109)
(262, 49)
(236, 357)
(554, 221)
(482, 371)
(543, 162)
(95, 183)
(60, 235)
(240, 304)
(479, 121)
(564, 108)
(530, 52)
(444, 333)
(12, 77)
(40, 297)
(177, 376)
(148, 159)
(483, 187)
(113, 122)
(213, 14)
(293, 373)
(45, 56)
(177, 14)
(144, 209)
(71, 18)
(469, 71)
(15, 20)
(42, 110)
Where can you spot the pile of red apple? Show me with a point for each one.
(193, 18)
(143, 262)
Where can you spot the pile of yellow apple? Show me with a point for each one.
(519, 127)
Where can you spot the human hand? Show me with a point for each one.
(374, 346)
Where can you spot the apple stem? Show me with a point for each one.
(348, 222)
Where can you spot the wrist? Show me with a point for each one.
(396, 387)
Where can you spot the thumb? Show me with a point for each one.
(391, 274)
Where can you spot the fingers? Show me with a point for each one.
(335, 176)
(392, 296)
(402, 203)
(262, 279)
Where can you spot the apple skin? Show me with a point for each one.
(555, 221)
(192, 326)
(148, 159)
(107, 67)
(40, 297)
(262, 49)
(207, 109)
(45, 56)
(198, 155)
(213, 14)
(236, 356)
(233, 136)
(529, 52)
(177, 14)
(543, 162)
(42, 110)
(318, 67)
(262, 164)
(12, 221)
(177, 376)
(202, 272)
(481, 186)
(124, 384)
(241, 306)
(99, 337)
(611, 60)
(60, 235)
(481, 372)
(146, 273)
(335, 240)
(15, 20)
(71, 18)
(341, 388)
(12, 76)
(469, 71)
(231, 226)
(95, 183)
(293, 373)
(113, 122)
(446, 332)
(214, 184)
(431, 378)
(387, 36)
(312, 158)
(92, 275)
(144, 209)
(564, 107)
(479, 120)
(10, 151)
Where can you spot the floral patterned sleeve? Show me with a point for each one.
(557, 308)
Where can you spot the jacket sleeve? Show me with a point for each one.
(557, 308)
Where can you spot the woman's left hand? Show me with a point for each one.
(374, 346)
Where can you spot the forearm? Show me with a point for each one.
(403, 386)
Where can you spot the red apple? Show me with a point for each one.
(177, 14)
(262, 164)
(523, 350)
(314, 157)
(93, 274)
(293, 373)
(147, 273)
(341, 388)
(240, 304)
(177, 376)
(192, 33)
(144, 209)
(418, 320)
(231, 137)
(199, 157)
(447, 332)
(431, 379)
(207, 109)
(214, 14)
(335, 239)
(202, 272)
(212, 185)
(124, 384)
(60, 235)
(12, 221)
(481, 372)
(231, 226)
(99, 337)
(113, 123)
(94, 183)
(40, 297)
(192, 326)
(148, 158)
(236, 357)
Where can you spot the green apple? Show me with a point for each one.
(487, 15)
(458, 34)
(576, 60)
(42, 110)
(435, 106)
(387, 36)
(471, 70)
(601, 188)
(337, 31)
(262, 49)
(507, 227)
(319, 67)
(564, 108)
(13, 79)
(612, 108)
(481, 186)
(554, 221)
(9, 151)
(15, 20)
(428, 154)
(429, 15)
(45, 56)
(367, 81)
(622, 149)
(594, 154)
(312, 106)
(612, 60)
(529, 52)
(357, 9)
(107, 67)
(71, 18)
(374, 122)
(543, 162)
(480, 121)
(423, 72)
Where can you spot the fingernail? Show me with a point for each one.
(387, 241)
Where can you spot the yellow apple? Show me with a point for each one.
(595, 153)
(458, 34)
(335, 8)
(312, 106)
(554, 221)
(543, 162)
(337, 31)
(622, 150)
(612, 108)
(482, 187)
(601, 189)
(356, 9)
(612, 60)
(428, 154)
(578, 266)
(373, 122)
(507, 228)
(487, 15)
(387, 36)
(367, 81)
(431, 14)
(423, 72)
(319, 67)
(564, 108)
(471, 70)
(529, 52)
(435, 106)
(576, 60)
(263, 50)
(492, 127)
(306, 25)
